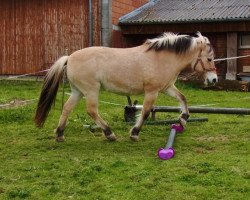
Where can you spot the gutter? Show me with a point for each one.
(183, 22)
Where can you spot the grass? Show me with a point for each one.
(211, 162)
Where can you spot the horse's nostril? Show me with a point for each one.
(214, 80)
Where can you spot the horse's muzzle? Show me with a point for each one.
(211, 78)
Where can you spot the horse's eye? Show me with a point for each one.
(209, 59)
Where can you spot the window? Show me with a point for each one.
(244, 41)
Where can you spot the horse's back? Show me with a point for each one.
(116, 69)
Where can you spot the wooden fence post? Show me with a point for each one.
(231, 52)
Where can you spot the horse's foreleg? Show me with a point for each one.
(67, 108)
(174, 92)
(149, 100)
(92, 110)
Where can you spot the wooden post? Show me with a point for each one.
(231, 52)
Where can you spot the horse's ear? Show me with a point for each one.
(200, 41)
(198, 33)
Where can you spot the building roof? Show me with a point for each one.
(184, 11)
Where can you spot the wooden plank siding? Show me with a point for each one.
(35, 33)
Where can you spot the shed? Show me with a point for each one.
(225, 22)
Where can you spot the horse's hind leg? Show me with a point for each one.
(174, 92)
(92, 110)
(67, 108)
(149, 100)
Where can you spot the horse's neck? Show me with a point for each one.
(190, 57)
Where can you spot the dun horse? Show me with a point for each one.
(150, 68)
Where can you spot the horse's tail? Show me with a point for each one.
(49, 90)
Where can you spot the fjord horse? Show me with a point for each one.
(150, 68)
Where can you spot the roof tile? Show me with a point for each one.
(179, 11)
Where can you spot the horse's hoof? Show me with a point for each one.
(134, 138)
(60, 139)
(111, 137)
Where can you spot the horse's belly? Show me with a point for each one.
(124, 88)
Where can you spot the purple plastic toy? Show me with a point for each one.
(168, 152)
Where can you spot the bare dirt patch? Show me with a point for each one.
(16, 103)
(220, 138)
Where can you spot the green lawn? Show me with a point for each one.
(211, 161)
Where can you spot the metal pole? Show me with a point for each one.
(193, 109)
(106, 22)
(173, 121)
(90, 24)
(171, 138)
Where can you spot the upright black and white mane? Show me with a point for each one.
(171, 42)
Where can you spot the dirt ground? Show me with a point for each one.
(16, 103)
(227, 85)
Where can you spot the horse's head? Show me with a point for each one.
(204, 62)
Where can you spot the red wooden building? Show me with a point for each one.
(35, 33)
(225, 22)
